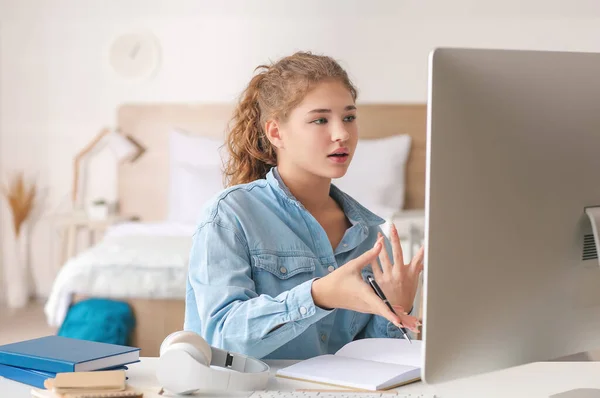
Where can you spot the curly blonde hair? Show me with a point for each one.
(271, 95)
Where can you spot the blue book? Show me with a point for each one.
(27, 376)
(31, 377)
(64, 354)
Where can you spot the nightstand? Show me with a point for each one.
(70, 224)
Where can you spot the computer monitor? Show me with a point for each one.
(511, 269)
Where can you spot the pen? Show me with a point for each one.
(379, 292)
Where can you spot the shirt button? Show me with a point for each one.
(345, 245)
(331, 268)
(303, 310)
(323, 337)
(283, 270)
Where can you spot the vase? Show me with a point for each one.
(17, 280)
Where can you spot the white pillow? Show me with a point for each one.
(195, 175)
(376, 177)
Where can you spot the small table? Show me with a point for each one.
(71, 223)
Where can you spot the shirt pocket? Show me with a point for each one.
(274, 273)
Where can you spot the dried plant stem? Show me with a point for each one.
(20, 196)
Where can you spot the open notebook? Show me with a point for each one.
(366, 364)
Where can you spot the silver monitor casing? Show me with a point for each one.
(513, 143)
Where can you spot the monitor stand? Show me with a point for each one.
(586, 356)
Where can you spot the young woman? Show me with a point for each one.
(280, 258)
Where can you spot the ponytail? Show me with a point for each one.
(251, 154)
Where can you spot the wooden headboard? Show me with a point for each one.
(143, 184)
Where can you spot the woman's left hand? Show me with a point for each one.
(398, 281)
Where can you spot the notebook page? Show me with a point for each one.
(350, 372)
(394, 351)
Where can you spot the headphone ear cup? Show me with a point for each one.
(180, 373)
(166, 342)
(192, 338)
(204, 348)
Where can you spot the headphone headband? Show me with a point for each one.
(237, 362)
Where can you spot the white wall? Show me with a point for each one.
(57, 92)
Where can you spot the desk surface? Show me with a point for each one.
(541, 379)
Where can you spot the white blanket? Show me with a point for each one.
(131, 264)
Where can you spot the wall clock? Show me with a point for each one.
(135, 55)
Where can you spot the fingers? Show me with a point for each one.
(377, 306)
(367, 257)
(397, 249)
(380, 308)
(408, 321)
(399, 309)
(383, 260)
(417, 261)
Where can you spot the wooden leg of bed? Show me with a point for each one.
(155, 319)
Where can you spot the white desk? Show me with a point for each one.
(541, 379)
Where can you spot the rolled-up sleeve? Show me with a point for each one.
(230, 313)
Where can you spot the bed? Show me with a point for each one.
(144, 263)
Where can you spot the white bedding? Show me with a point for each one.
(133, 260)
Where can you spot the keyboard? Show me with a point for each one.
(335, 394)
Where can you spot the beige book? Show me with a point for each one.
(97, 380)
(128, 392)
(89, 384)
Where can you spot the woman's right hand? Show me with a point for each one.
(345, 288)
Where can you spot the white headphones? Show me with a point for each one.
(188, 363)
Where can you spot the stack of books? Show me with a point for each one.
(34, 361)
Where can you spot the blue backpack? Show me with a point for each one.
(102, 320)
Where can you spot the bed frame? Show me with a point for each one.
(143, 183)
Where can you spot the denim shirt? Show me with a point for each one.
(255, 254)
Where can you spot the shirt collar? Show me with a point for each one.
(355, 212)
